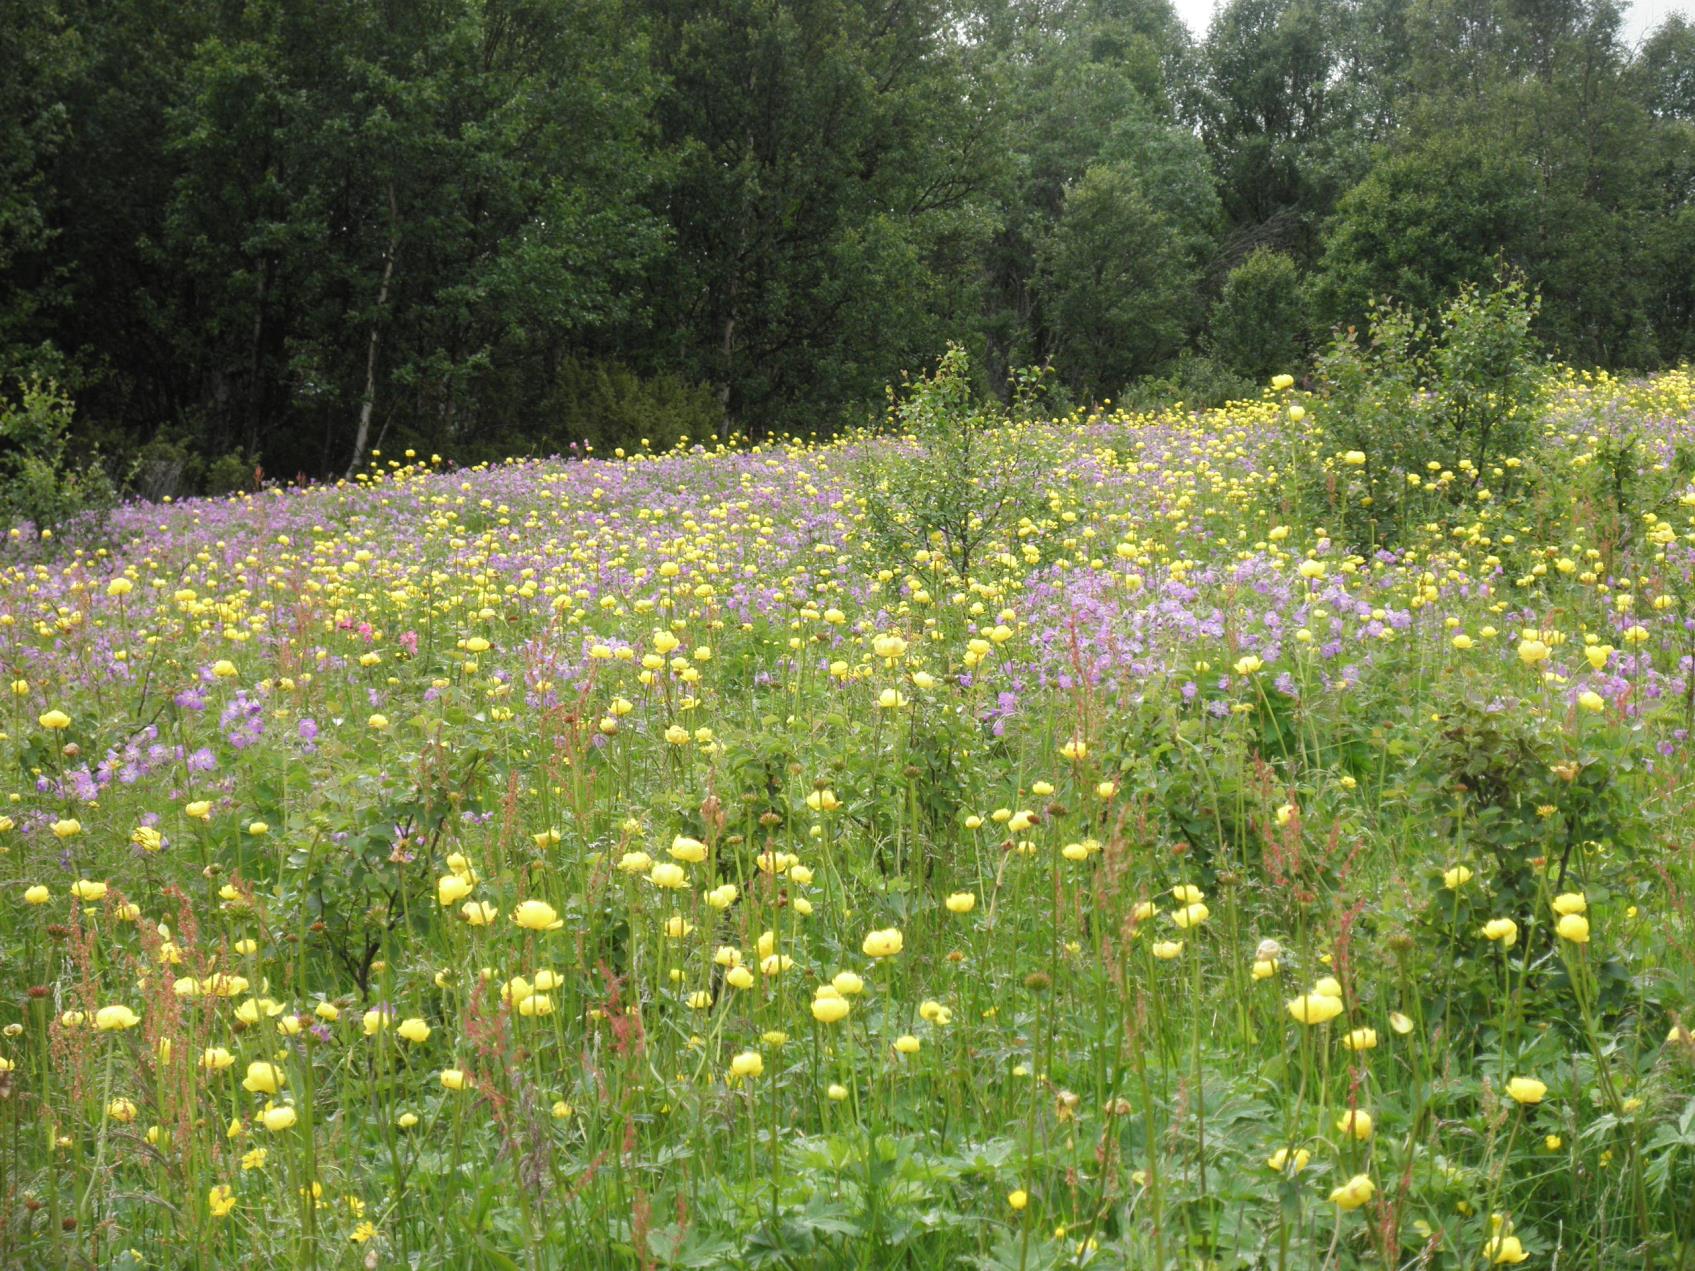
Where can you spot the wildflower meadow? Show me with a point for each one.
(1134, 840)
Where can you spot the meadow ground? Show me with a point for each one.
(635, 863)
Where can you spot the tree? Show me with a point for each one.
(1421, 224)
(1118, 281)
(1257, 326)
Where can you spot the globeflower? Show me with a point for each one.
(1571, 902)
(88, 889)
(1526, 1090)
(220, 1200)
(668, 875)
(263, 1078)
(1504, 1249)
(1355, 1192)
(454, 1079)
(1357, 1122)
(54, 721)
(883, 944)
(1503, 931)
(961, 902)
(451, 888)
(414, 1030)
(111, 1019)
(1573, 928)
(537, 915)
(1191, 915)
(693, 851)
(37, 895)
(278, 1118)
(831, 1009)
(1314, 1008)
(1285, 1160)
(1456, 877)
(748, 1064)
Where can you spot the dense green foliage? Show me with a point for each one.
(268, 238)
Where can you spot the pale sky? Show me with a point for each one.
(1640, 17)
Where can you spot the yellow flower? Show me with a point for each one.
(883, 944)
(537, 915)
(831, 1009)
(669, 876)
(406, 1120)
(906, 1044)
(479, 913)
(414, 1030)
(1573, 927)
(686, 849)
(1285, 1160)
(454, 1079)
(263, 1078)
(1018, 1199)
(88, 889)
(1456, 877)
(374, 1021)
(258, 829)
(1282, 382)
(1570, 902)
(1355, 1121)
(1187, 894)
(823, 801)
(1314, 1008)
(221, 1200)
(216, 1059)
(1594, 703)
(1248, 665)
(1402, 1024)
(198, 810)
(121, 1110)
(54, 721)
(847, 983)
(750, 1063)
(70, 827)
(1360, 1039)
(1166, 950)
(37, 895)
(111, 1019)
(1190, 915)
(961, 902)
(1502, 930)
(1355, 1192)
(278, 1119)
(1526, 1090)
(1504, 1249)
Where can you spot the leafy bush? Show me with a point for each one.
(1420, 418)
(960, 484)
(608, 405)
(41, 483)
(1258, 322)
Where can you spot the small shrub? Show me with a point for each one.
(1258, 323)
(966, 479)
(39, 482)
(1420, 419)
